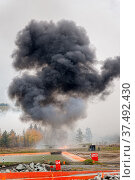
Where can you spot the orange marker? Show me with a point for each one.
(102, 175)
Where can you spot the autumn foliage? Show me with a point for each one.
(28, 138)
(32, 136)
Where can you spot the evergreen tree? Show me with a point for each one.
(5, 140)
(88, 135)
(24, 139)
(35, 127)
(12, 137)
(31, 127)
(79, 136)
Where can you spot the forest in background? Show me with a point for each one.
(28, 138)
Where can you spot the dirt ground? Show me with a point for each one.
(109, 158)
(104, 157)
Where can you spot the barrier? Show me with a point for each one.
(66, 178)
(54, 175)
(58, 165)
(94, 156)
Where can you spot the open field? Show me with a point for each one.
(107, 148)
(21, 150)
(109, 158)
(33, 158)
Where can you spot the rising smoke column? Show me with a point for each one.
(63, 61)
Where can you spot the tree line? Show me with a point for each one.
(83, 137)
(34, 134)
(28, 138)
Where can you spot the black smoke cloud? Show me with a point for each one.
(63, 61)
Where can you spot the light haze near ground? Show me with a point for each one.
(101, 21)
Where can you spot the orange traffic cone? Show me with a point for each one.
(102, 177)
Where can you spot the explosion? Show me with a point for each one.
(64, 76)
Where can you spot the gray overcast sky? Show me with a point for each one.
(100, 18)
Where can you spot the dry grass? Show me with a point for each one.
(20, 150)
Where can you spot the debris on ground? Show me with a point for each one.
(107, 177)
(27, 168)
(112, 177)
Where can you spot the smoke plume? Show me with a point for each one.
(62, 60)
